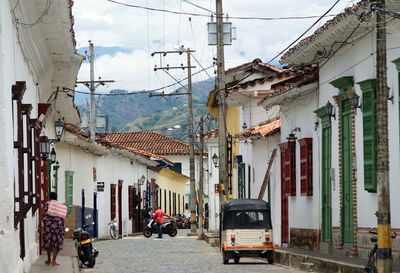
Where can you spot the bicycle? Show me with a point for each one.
(373, 259)
(113, 229)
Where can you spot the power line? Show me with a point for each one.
(140, 92)
(308, 29)
(230, 17)
(29, 25)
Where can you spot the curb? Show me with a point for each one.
(75, 265)
(319, 264)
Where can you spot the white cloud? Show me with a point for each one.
(109, 24)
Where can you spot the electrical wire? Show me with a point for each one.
(230, 17)
(29, 25)
(200, 7)
(139, 92)
(307, 30)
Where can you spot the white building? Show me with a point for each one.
(344, 144)
(37, 60)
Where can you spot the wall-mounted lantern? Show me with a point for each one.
(215, 160)
(355, 101)
(329, 110)
(142, 179)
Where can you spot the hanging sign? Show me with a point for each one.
(100, 186)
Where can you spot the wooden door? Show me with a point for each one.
(326, 184)
(285, 180)
(120, 207)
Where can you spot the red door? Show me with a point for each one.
(285, 179)
(120, 207)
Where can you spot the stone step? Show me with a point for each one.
(308, 267)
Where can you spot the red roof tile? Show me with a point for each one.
(262, 130)
(82, 134)
(151, 142)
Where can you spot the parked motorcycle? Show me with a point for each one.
(168, 227)
(86, 252)
(182, 221)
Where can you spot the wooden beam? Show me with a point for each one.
(266, 177)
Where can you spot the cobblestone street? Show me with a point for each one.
(178, 254)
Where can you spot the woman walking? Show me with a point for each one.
(53, 233)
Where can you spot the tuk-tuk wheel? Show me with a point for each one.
(225, 257)
(236, 259)
(270, 261)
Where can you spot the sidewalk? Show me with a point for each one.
(314, 261)
(310, 261)
(66, 258)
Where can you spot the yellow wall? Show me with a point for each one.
(233, 127)
(171, 181)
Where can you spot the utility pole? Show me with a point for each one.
(201, 186)
(92, 87)
(223, 166)
(384, 230)
(92, 101)
(193, 224)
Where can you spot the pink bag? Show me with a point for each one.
(57, 209)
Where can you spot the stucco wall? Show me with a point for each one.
(175, 184)
(110, 168)
(356, 61)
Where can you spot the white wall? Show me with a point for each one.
(13, 67)
(356, 61)
(213, 179)
(110, 168)
(303, 210)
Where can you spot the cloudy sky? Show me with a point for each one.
(138, 32)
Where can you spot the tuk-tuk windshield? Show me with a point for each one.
(247, 219)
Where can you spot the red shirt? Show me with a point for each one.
(159, 214)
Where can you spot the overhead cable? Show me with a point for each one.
(230, 17)
(304, 33)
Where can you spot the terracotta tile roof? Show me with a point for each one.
(350, 11)
(82, 134)
(263, 130)
(254, 62)
(151, 142)
(211, 133)
(303, 76)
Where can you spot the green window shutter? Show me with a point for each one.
(369, 133)
(177, 167)
(69, 193)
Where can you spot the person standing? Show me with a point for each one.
(159, 214)
(53, 233)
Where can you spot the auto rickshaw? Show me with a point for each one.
(246, 230)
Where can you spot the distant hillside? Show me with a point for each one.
(141, 112)
(171, 122)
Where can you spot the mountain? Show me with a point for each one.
(132, 112)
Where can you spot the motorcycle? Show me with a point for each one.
(182, 221)
(168, 227)
(86, 252)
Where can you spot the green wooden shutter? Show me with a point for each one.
(369, 133)
(69, 193)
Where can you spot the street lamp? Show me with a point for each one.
(329, 110)
(355, 99)
(215, 160)
(142, 179)
(59, 126)
(44, 145)
(53, 155)
(44, 148)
